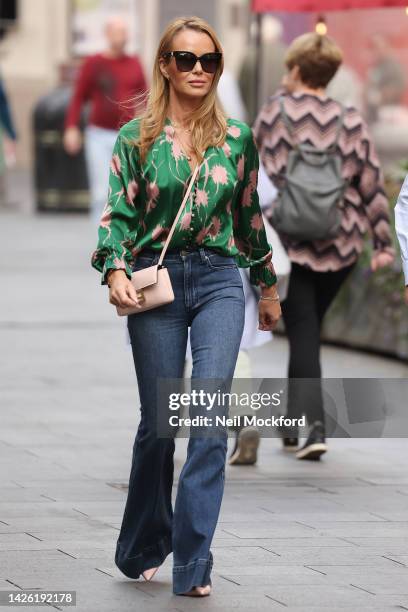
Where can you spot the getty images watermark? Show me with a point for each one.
(213, 402)
(209, 407)
(352, 407)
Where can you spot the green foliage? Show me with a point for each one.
(369, 310)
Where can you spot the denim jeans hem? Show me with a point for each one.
(150, 556)
(196, 573)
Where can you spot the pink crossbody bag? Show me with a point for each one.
(153, 284)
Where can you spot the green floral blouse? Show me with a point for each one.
(222, 211)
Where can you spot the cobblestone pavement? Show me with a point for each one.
(325, 536)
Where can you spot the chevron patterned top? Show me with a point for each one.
(314, 121)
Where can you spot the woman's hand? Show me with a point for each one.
(381, 260)
(121, 291)
(269, 311)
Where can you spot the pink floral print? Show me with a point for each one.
(115, 165)
(131, 191)
(241, 167)
(219, 175)
(222, 211)
(227, 149)
(234, 131)
(201, 198)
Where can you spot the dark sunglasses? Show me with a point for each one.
(185, 60)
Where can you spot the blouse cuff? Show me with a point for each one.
(113, 261)
(263, 275)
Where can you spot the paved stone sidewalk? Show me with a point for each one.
(291, 536)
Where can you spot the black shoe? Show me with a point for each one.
(315, 444)
(290, 444)
(246, 447)
(289, 437)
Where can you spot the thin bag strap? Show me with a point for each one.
(173, 227)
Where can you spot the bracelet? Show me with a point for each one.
(108, 275)
(271, 299)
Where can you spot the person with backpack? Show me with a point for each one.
(321, 158)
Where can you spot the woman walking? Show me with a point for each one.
(305, 115)
(221, 227)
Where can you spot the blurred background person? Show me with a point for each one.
(8, 139)
(247, 438)
(246, 442)
(109, 80)
(320, 267)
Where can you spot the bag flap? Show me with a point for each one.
(145, 278)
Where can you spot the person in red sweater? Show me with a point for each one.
(109, 81)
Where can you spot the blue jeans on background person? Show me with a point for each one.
(98, 146)
(209, 298)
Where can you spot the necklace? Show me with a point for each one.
(178, 127)
(183, 146)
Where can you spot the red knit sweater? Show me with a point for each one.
(108, 84)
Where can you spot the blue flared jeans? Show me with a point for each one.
(209, 298)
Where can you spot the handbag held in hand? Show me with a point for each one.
(153, 284)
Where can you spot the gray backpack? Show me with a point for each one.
(309, 205)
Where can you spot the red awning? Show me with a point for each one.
(265, 6)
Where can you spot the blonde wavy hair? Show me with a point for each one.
(208, 122)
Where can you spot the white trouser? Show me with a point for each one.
(98, 145)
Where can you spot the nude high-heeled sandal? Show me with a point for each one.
(149, 573)
(199, 591)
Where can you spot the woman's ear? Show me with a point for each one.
(162, 66)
